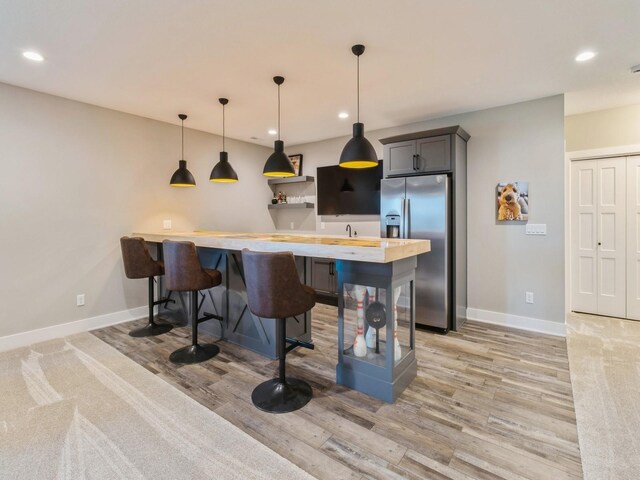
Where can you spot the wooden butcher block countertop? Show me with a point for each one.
(361, 249)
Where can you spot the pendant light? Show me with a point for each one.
(358, 152)
(182, 177)
(223, 172)
(278, 164)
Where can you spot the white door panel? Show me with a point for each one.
(598, 237)
(611, 237)
(633, 237)
(584, 295)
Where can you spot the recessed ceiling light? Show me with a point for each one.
(35, 56)
(273, 131)
(343, 115)
(584, 56)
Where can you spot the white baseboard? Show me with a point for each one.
(516, 321)
(24, 339)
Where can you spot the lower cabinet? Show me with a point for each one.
(324, 278)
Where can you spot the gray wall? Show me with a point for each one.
(522, 142)
(603, 128)
(76, 178)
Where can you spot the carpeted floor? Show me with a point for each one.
(77, 408)
(604, 358)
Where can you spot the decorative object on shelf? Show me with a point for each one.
(182, 177)
(223, 172)
(282, 197)
(512, 201)
(274, 200)
(296, 161)
(278, 164)
(358, 152)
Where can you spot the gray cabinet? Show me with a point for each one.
(323, 275)
(416, 156)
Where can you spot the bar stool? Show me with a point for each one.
(184, 273)
(274, 291)
(139, 264)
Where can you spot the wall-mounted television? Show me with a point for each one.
(349, 191)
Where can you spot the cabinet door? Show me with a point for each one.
(399, 158)
(434, 154)
(334, 278)
(321, 275)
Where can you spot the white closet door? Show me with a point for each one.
(633, 237)
(584, 252)
(611, 237)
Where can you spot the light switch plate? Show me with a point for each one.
(536, 229)
(166, 224)
(80, 300)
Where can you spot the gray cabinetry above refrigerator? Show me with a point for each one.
(421, 152)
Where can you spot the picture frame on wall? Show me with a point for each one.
(512, 201)
(296, 160)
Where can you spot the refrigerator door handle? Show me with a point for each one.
(405, 218)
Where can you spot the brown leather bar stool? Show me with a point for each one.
(139, 264)
(184, 273)
(274, 291)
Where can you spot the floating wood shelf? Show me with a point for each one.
(300, 179)
(281, 206)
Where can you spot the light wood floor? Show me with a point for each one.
(488, 402)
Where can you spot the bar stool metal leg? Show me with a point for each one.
(282, 394)
(152, 328)
(195, 353)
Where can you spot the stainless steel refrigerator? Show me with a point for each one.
(421, 207)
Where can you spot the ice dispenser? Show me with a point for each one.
(393, 225)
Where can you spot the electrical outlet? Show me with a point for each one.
(528, 297)
(166, 224)
(291, 226)
(322, 226)
(80, 300)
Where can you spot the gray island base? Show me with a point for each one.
(376, 302)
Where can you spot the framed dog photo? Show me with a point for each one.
(296, 160)
(512, 204)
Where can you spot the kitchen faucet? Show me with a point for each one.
(348, 229)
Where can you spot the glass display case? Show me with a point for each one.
(376, 327)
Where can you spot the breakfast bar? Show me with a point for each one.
(376, 300)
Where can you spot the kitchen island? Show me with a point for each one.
(376, 301)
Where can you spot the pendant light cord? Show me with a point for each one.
(223, 128)
(182, 138)
(358, 85)
(278, 112)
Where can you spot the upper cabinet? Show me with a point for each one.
(421, 152)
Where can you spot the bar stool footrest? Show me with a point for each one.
(276, 397)
(295, 343)
(209, 316)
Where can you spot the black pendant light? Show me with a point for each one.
(223, 172)
(278, 164)
(182, 177)
(358, 152)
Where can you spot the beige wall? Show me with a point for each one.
(76, 178)
(523, 142)
(604, 128)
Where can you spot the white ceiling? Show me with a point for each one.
(424, 58)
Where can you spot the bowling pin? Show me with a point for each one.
(396, 344)
(359, 344)
(370, 337)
